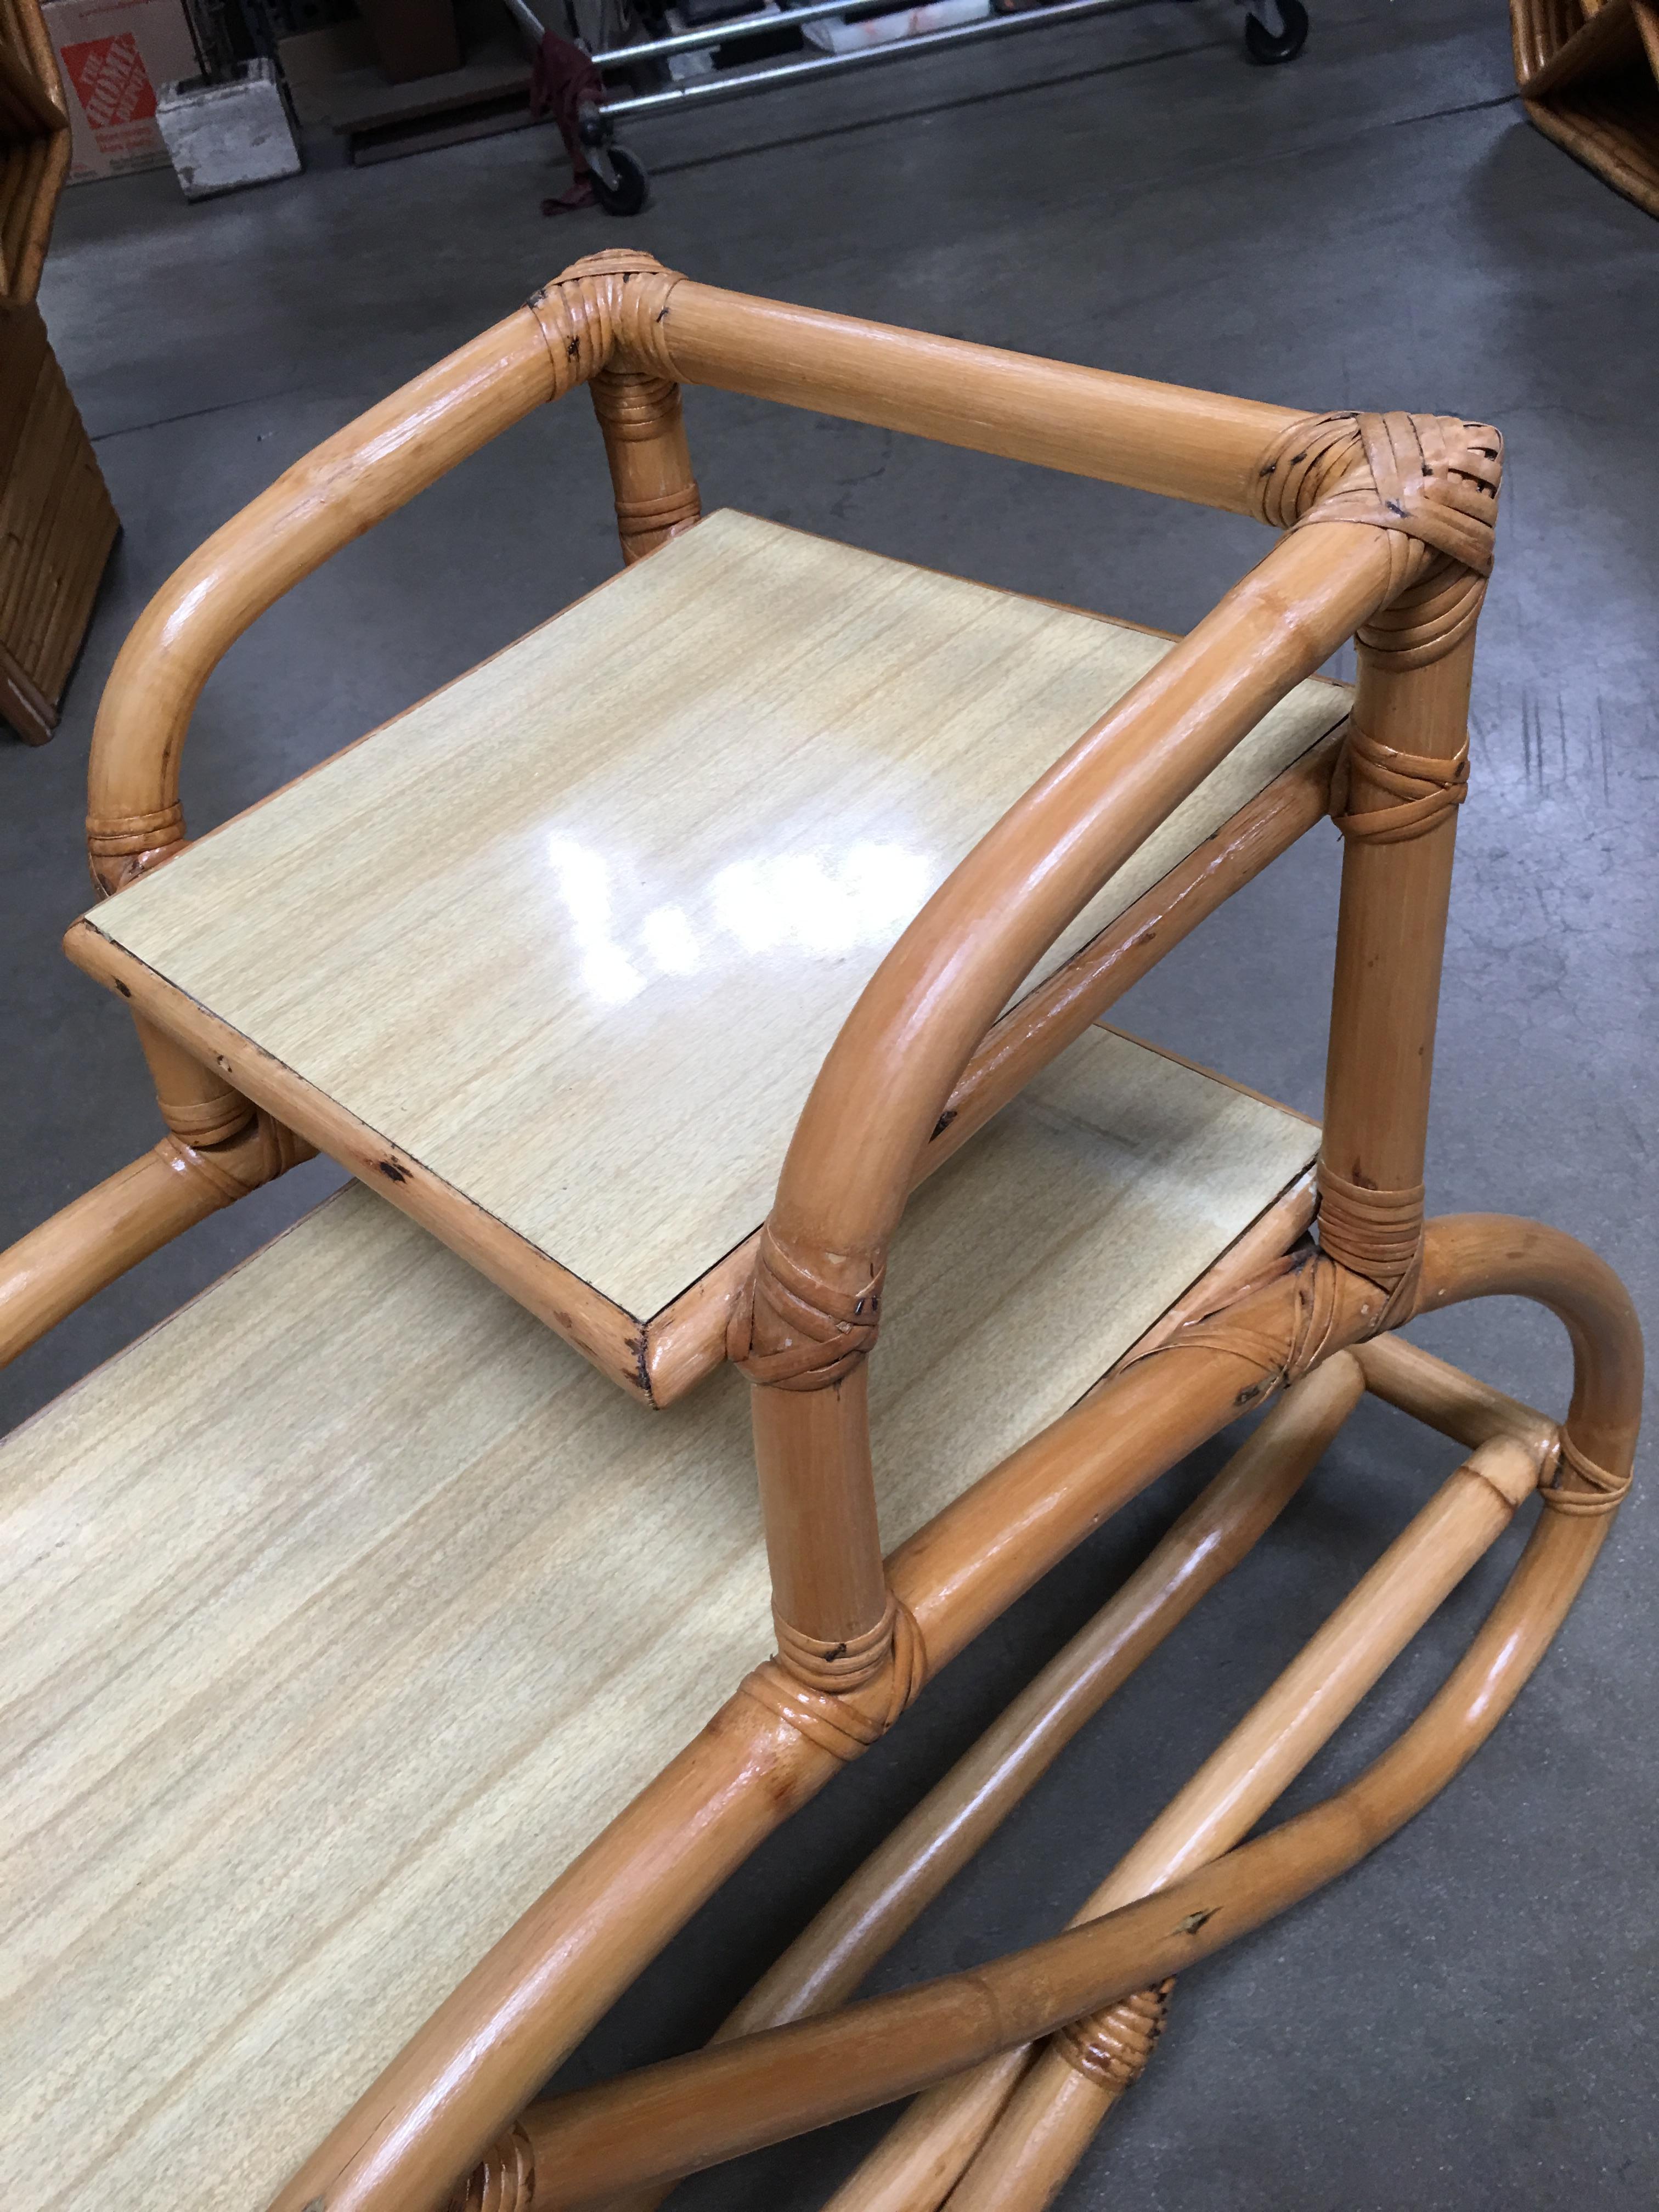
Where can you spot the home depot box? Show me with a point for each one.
(113, 53)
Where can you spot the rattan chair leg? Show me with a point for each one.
(644, 429)
(1443, 1397)
(735, 2096)
(1406, 768)
(827, 1962)
(1052, 2117)
(680, 2115)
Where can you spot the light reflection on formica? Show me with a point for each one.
(816, 903)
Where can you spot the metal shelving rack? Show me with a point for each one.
(1274, 31)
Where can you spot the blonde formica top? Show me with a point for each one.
(575, 932)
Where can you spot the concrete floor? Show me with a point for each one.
(1465, 2021)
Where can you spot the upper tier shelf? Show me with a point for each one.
(552, 959)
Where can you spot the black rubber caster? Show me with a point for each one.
(627, 187)
(1261, 45)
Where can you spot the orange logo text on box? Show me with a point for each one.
(110, 76)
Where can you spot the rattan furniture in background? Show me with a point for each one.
(57, 525)
(34, 148)
(1589, 71)
(389, 1645)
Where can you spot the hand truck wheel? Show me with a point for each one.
(1262, 43)
(625, 188)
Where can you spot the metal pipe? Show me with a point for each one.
(733, 86)
(531, 25)
(720, 35)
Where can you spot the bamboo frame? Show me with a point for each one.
(1057, 2106)
(688, 2113)
(1387, 523)
(827, 1962)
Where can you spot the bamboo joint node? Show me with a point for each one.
(1420, 793)
(848, 1664)
(200, 1123)
(791, 1329)
(645, 524)
(664, 513)
(1377, 1233)
(635, 406)
(1597, 1491)
(1112, 2047)
(122, 847)
(1429, 480)
(845, 1712)
(504, 2180)
(641, 417)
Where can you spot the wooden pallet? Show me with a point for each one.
(57, 527)
(1589, 72)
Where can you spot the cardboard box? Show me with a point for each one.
(113, 54)
(314, 63)
(222, 136)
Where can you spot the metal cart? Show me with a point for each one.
(1274, 31)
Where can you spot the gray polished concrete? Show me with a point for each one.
(1465, 2022)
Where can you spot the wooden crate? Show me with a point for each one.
(56, 526)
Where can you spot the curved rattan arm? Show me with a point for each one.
(814, 1302)
(566, 335)
(887, 1076)
(354, 480)
(1391, 527)
(622, 310)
